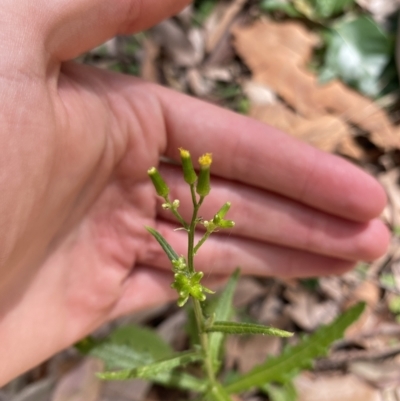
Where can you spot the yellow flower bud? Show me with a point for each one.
(203, 183)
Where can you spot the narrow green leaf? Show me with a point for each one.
(149, 371)
(247, 328)
(222, 313)
(285, 366)
(167, 248)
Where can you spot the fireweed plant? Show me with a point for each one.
(140, 353)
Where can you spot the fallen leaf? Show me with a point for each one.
(334, 388)
(307, 311)
(81, 383)
(175, 42)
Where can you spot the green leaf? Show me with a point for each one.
(222, 312)
(246, 328)
(142, 340)
(285, 366)
(388, 280)
(120, 356)
(278, 5)
(149, 371)
(284, 392)
(358, 51)
(127, 347)
(328, 8)
(217, 393)
(167, 248)
(180, 380)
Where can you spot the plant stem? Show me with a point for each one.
(198, 312)
(192, 229)
(177, 214)
(201, 242)
(180, 219)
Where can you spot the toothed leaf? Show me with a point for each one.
(246, 328)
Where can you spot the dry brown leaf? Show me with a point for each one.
(198, 84)
(249, 352)
(307, 311)
(81, 383)
(248, 290)
(324, 132)
(148, 69)
(380, 374)
(277, 54)
(335, 388)
(223, 18)
(172, 38)
(368, 292)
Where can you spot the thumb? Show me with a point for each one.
(75, 26)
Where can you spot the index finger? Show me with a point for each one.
(262, 156)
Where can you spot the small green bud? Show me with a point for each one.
(187, 166)
(158, 182)
(224, 210)
(175, 204)
(179, 264)
(226, 224)
(203, 183)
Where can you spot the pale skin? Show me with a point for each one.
(76, 143)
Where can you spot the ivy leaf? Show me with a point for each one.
(222, 313)
(284, 367)
(246, 328)
(358, 52)
(149, 371)
(167, 248)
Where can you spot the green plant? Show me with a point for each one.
(139, 353)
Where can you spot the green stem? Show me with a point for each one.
(177, 214)
(180, 219)
(192, 229)
(201, 242)
(208, 366)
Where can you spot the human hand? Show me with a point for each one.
(76, 145)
